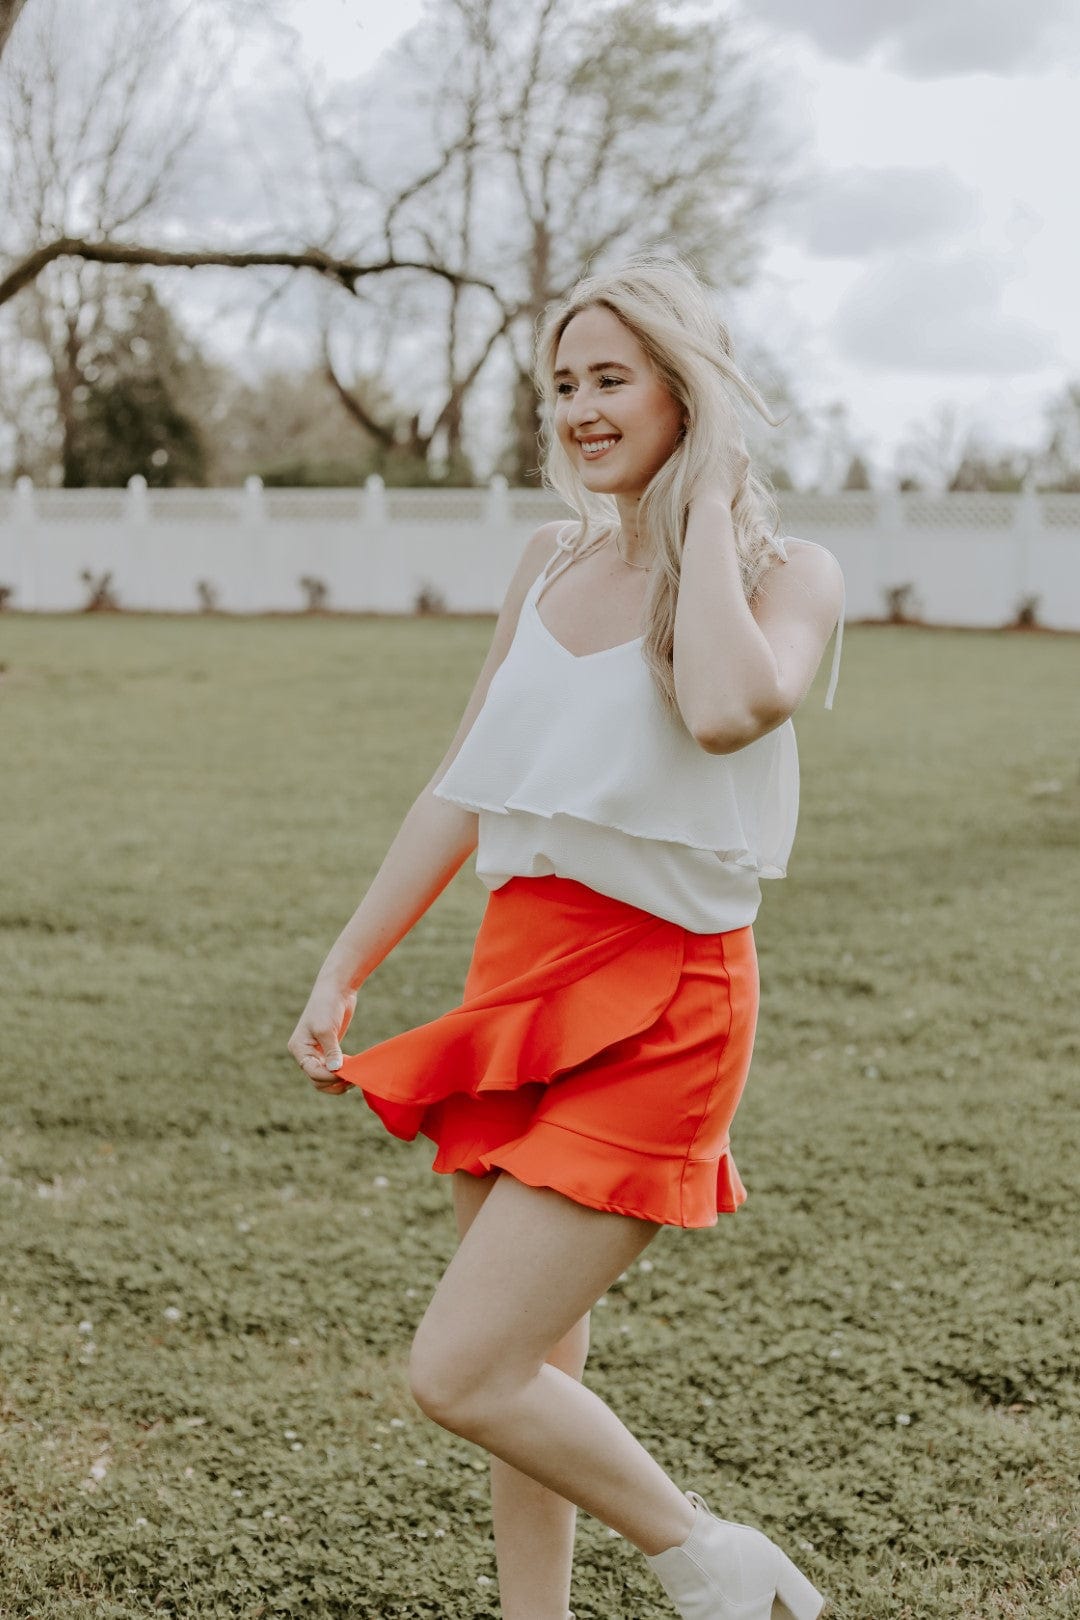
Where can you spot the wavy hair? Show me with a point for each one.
(668, 307)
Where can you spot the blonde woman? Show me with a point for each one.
(626, 771)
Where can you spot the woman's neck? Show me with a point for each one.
(626, 536)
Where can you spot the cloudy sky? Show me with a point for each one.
(934, 255)
(931, 249)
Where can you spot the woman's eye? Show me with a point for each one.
(562, 387)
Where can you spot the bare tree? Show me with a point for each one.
(545, 135)
(841, 461)
(983, 465)
(557, 134)
(930, 451)
(945, 454)
(90, 142)
(94, 133)
(96, 128)
(1057, 461)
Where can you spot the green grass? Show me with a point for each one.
(875, 1359)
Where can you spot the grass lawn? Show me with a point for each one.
(212, 1274)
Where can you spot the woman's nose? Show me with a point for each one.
(581, 410)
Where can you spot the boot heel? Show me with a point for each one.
(795, 1598)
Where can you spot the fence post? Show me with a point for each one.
(24, 512)
(24, 497)
(374, 501)
(254, 503)
(498, 503)
(1026, 526)
(890, 523)
(135, 503)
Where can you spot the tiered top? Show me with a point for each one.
(575, 767)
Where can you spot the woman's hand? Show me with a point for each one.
(738, 467)
(315, 1042)
(723, 483)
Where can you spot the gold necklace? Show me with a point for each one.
(643, 566)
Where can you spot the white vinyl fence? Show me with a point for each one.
(968, 559)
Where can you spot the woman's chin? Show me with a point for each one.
(606, 478)
(614, 486)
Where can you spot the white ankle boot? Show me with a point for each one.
(725, 1571)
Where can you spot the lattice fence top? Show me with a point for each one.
(975, 511)
(845, 511)
(536, 506)
(314, 505)
(851, 511)
(81, 505)
(436, 505)
(195, 505)
(1061, 511)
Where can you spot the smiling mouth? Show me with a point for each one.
(592, 452)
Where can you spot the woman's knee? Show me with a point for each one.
(457, 1388)
(449, 1383)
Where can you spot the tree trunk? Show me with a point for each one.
(453, 425)
(9, 10)
(67, 377)
(525, 410)
(523, 468)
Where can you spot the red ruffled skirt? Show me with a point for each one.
(598, 1049)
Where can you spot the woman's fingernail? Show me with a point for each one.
(333, 1063)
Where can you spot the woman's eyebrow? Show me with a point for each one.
(601, 365)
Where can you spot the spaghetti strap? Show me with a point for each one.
(560, 558)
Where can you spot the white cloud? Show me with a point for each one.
(849, 213)
(938, 315)
(935, 38)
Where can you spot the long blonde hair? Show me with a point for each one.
(663, 301)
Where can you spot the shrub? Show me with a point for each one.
(900, 603)
(100, 596)
(316, 593)
(208, 595)
(1027, 610)
(429, 600)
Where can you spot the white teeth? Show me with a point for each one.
(595, 449)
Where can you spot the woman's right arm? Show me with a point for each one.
(434, 841)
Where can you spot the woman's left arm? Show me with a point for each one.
(740, 672)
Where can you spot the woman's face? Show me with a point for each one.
(609, 397)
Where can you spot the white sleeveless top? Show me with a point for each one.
(575, 768)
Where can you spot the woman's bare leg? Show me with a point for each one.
(529, 1267)
(534, 1527)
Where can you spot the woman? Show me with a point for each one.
(626, 771)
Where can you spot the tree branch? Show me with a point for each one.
(342, 271)
(354, 406)
(461, 385)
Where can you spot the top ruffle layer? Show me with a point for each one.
(588, 737)
(530, 1024)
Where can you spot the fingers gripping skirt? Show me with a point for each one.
(598, 1049)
